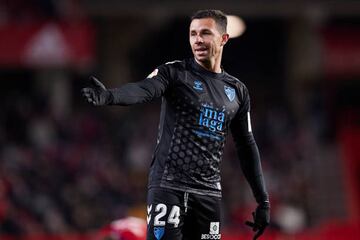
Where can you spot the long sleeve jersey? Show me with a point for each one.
(198, 109)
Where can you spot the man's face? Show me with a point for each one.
(205, 39)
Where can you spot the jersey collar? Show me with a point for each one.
(206, 72)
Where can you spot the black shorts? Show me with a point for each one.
(178, 215)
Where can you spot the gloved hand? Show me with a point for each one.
(261, 218)
(97, 94)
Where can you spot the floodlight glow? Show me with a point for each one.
(235, 27)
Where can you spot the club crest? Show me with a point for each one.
(159, 232)
(230, 93)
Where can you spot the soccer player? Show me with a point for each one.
(200, 104)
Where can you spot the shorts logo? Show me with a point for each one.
(198, 85)
(159, 232)
(214, 231)
(214, 228)
(230, 93)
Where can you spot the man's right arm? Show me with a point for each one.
(146, 90)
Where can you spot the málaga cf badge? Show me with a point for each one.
(230, 93)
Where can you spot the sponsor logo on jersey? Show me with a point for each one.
(214, 231)
(213, 121)
(198, 85)
(159, 232)
(211, 118)
(230, 93)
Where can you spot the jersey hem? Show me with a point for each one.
(189, 190)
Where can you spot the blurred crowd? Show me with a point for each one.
(60, 175)
(17, 11)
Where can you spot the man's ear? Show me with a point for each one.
(225, 38)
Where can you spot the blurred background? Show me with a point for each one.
(67, 168)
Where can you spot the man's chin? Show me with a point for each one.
(202, 59)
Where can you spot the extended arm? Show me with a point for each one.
(128, 94)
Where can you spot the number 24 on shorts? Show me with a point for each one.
(160, 211)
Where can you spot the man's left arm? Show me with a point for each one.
(249, 157)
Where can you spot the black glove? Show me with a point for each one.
(97, 94)
(261, 218)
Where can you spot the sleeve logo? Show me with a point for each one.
(153, 74)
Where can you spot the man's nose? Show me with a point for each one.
(199, 39)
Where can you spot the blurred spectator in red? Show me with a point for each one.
(129, 228)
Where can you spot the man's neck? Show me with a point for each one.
(212, 66)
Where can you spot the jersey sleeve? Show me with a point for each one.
(143, 91)
(247, 149)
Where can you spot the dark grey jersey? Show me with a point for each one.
(198, 109)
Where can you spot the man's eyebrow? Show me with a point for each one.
(201, 30)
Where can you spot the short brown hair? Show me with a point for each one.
(218, 16)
